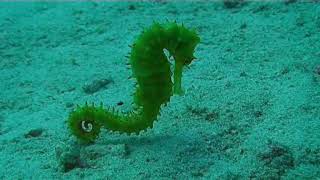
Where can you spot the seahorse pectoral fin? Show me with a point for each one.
(177, 84)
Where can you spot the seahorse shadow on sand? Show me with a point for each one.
(175, 154)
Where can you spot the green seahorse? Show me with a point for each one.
(151, 69)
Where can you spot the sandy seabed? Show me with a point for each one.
(250, 110)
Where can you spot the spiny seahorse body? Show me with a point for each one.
(151, 68)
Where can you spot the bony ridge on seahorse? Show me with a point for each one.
(151, 69)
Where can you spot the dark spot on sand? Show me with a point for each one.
(1, 121)
(229, 4)
(287, 2)
(131, 7)
(317, 70)
(258, 114)
(277, 159)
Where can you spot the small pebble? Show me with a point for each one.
(96, 85)
(68, 157)
(34, 133)
(69, 105)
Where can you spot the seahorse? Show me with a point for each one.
(151, 69)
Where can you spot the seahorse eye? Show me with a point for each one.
(86, 126)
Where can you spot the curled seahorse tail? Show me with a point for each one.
(85, 122)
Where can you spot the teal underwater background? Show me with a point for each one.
(250, 110)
